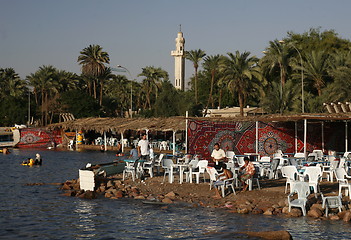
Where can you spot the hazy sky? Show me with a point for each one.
(139, 33)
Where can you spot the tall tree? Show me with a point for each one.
(273, 103)
(242, 74)
(92, 59)
(276, 58)
(316, 69)
(152, 81)
(10, 83)
(211, 64)
(195, 56)
(105, 75)
(46, 85)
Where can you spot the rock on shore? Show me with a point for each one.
(271, 235)
(270, 201)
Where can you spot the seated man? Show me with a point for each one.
(133, 153)
(248, 170)
(226, 174)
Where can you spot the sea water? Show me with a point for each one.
(42, 212)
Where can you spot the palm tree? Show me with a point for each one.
(242, 73)
(276, 56)
(211, 64)
(45, 83)
(118, 88)
(273, 103)
(195, 57)
(316, 68)
(153, 77)
(92, 59)
(10, 83)
(105, 75)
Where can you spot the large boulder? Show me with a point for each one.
(318, 206)
(66, 186)
(272, 235)
(167, 200)
(315, 213)
(334, 217)
(295, 212)
(171, 195)
(347, 216)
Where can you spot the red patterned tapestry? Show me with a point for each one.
(39, 138)
(240, 137)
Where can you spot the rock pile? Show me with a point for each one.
(268, 201)
(115, 189)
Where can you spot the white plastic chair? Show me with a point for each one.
(164, 145)
(223, 184)
(265, 159)
(230, 155)
(166, 165)
(302, 190)
(319, 154)
(131, 168)
(149, 166)
(157, 162)
(299, 155)
(314, 175)
(273, 171)
(329, 170)
(241, 161)
(341, 177)
(347, 155)
(312, 157)
(331, 202)
(253, 179)
(291, 174)
(278, 153)
(230, 165)
(200, 168)
(192, 165)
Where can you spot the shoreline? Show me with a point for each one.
(270, 200)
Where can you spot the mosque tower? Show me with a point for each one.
(179, 62)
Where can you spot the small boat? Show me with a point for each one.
(9, 137)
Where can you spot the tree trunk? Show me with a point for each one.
(220, 98)
(46, 108)
(241, 104)
(42, 107)
(94, 85)
(196, 97)
(101, 88)
(211, 90)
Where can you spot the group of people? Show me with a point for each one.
(245, 172)
(30, 161)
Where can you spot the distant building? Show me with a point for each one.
(179, 62)
(233, 112)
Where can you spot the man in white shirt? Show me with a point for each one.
(143, 148)
(218, 155)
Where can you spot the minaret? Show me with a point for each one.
(179, 62)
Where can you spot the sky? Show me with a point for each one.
(140, 33)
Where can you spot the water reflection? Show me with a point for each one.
(85, 222)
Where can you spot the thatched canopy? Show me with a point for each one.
(122, 124)
(283, 118)
(178, 123)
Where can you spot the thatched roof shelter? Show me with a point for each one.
(283, 118)
(122, 124)
(178, 123)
